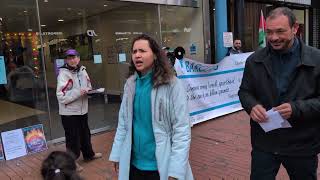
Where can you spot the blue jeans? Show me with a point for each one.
(265, 166)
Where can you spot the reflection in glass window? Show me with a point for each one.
(23, 99)
(183, 26)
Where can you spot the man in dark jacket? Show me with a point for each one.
(284, 76)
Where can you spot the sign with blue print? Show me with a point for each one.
(193, 49)
(3, 76)
(212, 89)
(97, 59)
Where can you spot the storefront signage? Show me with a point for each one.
(91, 33)
(50, 33)
(187, 29)
(193, 49)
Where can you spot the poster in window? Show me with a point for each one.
(3, 76)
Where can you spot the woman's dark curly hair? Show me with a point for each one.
(59, 165)
(162, 72)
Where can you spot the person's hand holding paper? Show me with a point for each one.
(258, 113)
(274, 121)
(285, 110)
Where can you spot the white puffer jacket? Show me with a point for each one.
(69, 84)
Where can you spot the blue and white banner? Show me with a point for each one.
(212, 89)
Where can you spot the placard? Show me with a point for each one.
(14, 145)
(34, 138)
(227, 39)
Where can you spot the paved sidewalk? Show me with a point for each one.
(220, 150)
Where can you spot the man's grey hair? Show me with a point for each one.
(283, 11)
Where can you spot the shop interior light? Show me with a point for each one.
(60, 20)
(105, 5)
(43, 25)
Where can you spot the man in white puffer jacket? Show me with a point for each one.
(72, 86)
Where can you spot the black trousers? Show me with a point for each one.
(78, 137)
(265, 166)
(137, 174)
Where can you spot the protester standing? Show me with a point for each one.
(73, 85)
(236, 48)
(154, 134)
(285, 77)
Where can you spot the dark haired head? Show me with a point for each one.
(162, 72)
(59, 166)
(179, 52)
(285, 12)
(236, 38)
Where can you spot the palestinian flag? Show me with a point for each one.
(262, 35)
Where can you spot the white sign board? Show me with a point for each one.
(227, 39)
(14, 145)
(212, 89)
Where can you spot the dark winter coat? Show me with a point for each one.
(303, 93)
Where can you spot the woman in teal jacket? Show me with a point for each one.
(154, 133)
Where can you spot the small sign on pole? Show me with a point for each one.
(227, 39)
